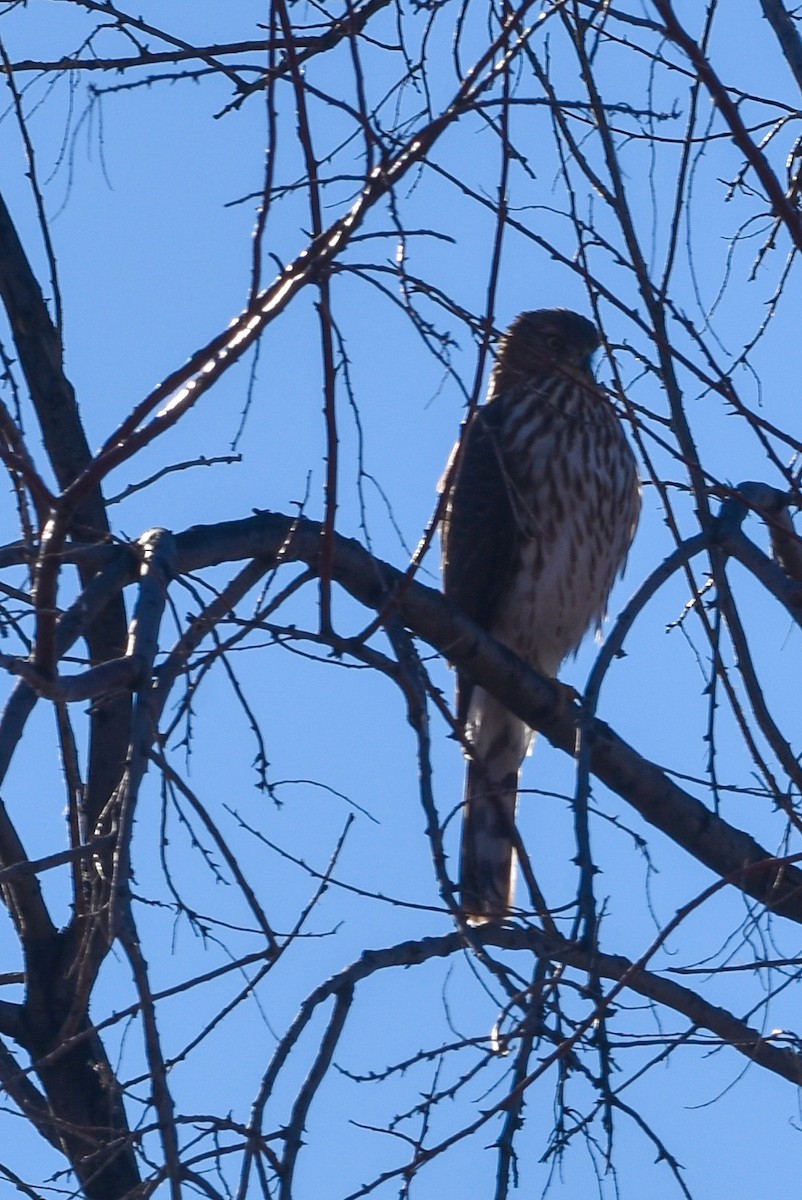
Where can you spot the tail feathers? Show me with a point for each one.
(488, 862)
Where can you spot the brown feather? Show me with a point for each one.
(540, 514)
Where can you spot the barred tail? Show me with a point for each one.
(488, 860)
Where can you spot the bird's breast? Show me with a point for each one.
(572, 486)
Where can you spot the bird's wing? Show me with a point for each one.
(480, 533)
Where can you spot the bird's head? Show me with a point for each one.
(538, 342)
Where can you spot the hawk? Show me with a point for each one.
(542, 506)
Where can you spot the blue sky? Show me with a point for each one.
(153, 234)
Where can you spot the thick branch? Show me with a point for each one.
(116, 674)
(39, 347)
(787, 33)
(38, 344)
(28, 1099)
(726, 850)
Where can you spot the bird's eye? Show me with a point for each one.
(554, 343)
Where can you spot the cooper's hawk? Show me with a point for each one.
(541, 511)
